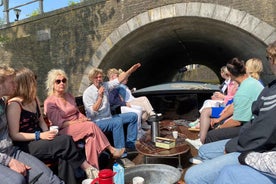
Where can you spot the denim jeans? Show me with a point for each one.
(212, 150)
(116, 126)
(243, 175)
(208, 171)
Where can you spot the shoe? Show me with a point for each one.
(195, 143)
(195, 160)
(92, 172)
(117, 153)
(145, 126)
(194, 123)
(125, 162)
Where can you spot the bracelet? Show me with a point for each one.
(37, 135)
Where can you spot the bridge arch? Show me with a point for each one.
(176, 35)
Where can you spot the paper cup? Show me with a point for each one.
(55, 128)
(87, 181)
(138, 180)
(175, 134)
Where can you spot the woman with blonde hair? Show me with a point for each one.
(30, 132)
(254, 67)
(61, 109)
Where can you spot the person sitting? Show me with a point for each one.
(17, 166)
(30, 132)
(257, 135)
(242, 101)
(97, 108)
(256, 168)
(218, 100)
(141, 101)
(117, 102)
(253, 67)
(61, 109)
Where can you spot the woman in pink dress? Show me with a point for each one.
(61, 109)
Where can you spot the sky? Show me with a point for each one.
(26, 11)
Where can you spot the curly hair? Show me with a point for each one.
(94, 72)
(271, 51)
(51, 78)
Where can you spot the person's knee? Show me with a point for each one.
(18, 179)
(133, 116)
(117, 123)
(206, 112)
(190, 175)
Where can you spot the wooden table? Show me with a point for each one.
(147, 148)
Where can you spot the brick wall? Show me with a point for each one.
(67, 38)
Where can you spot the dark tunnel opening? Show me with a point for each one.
(165, 46)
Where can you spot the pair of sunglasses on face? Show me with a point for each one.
(58, 81)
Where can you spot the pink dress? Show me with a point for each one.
(59, 112)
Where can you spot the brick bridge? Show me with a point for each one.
(163, 35)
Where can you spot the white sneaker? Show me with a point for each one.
(195, 143)
(194, 123)
(195, 160)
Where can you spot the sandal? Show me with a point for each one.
(92, 172)
(117, 153)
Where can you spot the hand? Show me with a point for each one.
(48, 135)
(82, 119)
(18, 166)
(101, 91)
(135, 67)
(214, 121)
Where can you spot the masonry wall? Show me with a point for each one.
(67, 38)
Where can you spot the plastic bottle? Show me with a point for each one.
(119, 177)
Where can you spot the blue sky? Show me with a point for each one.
(49, 5)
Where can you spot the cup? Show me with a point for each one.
(55, 128)
(138, 180)
(175, 134)
(87, 181)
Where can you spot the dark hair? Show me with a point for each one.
(236, 67)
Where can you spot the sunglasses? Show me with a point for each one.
(58, 81)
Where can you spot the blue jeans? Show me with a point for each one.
(242, 174)
(116, 126)
(212, 150)
(208, 171)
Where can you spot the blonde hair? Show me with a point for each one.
(5, 71)
(26, 85)
(94, 72)
(254, 67)
(51, 79)
(112, 71)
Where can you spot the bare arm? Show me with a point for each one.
(99, 101)
(126, 74)
(13, 117)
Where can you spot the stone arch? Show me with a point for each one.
(240, 19)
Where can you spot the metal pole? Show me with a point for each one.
(41, 6)
(6, 11)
